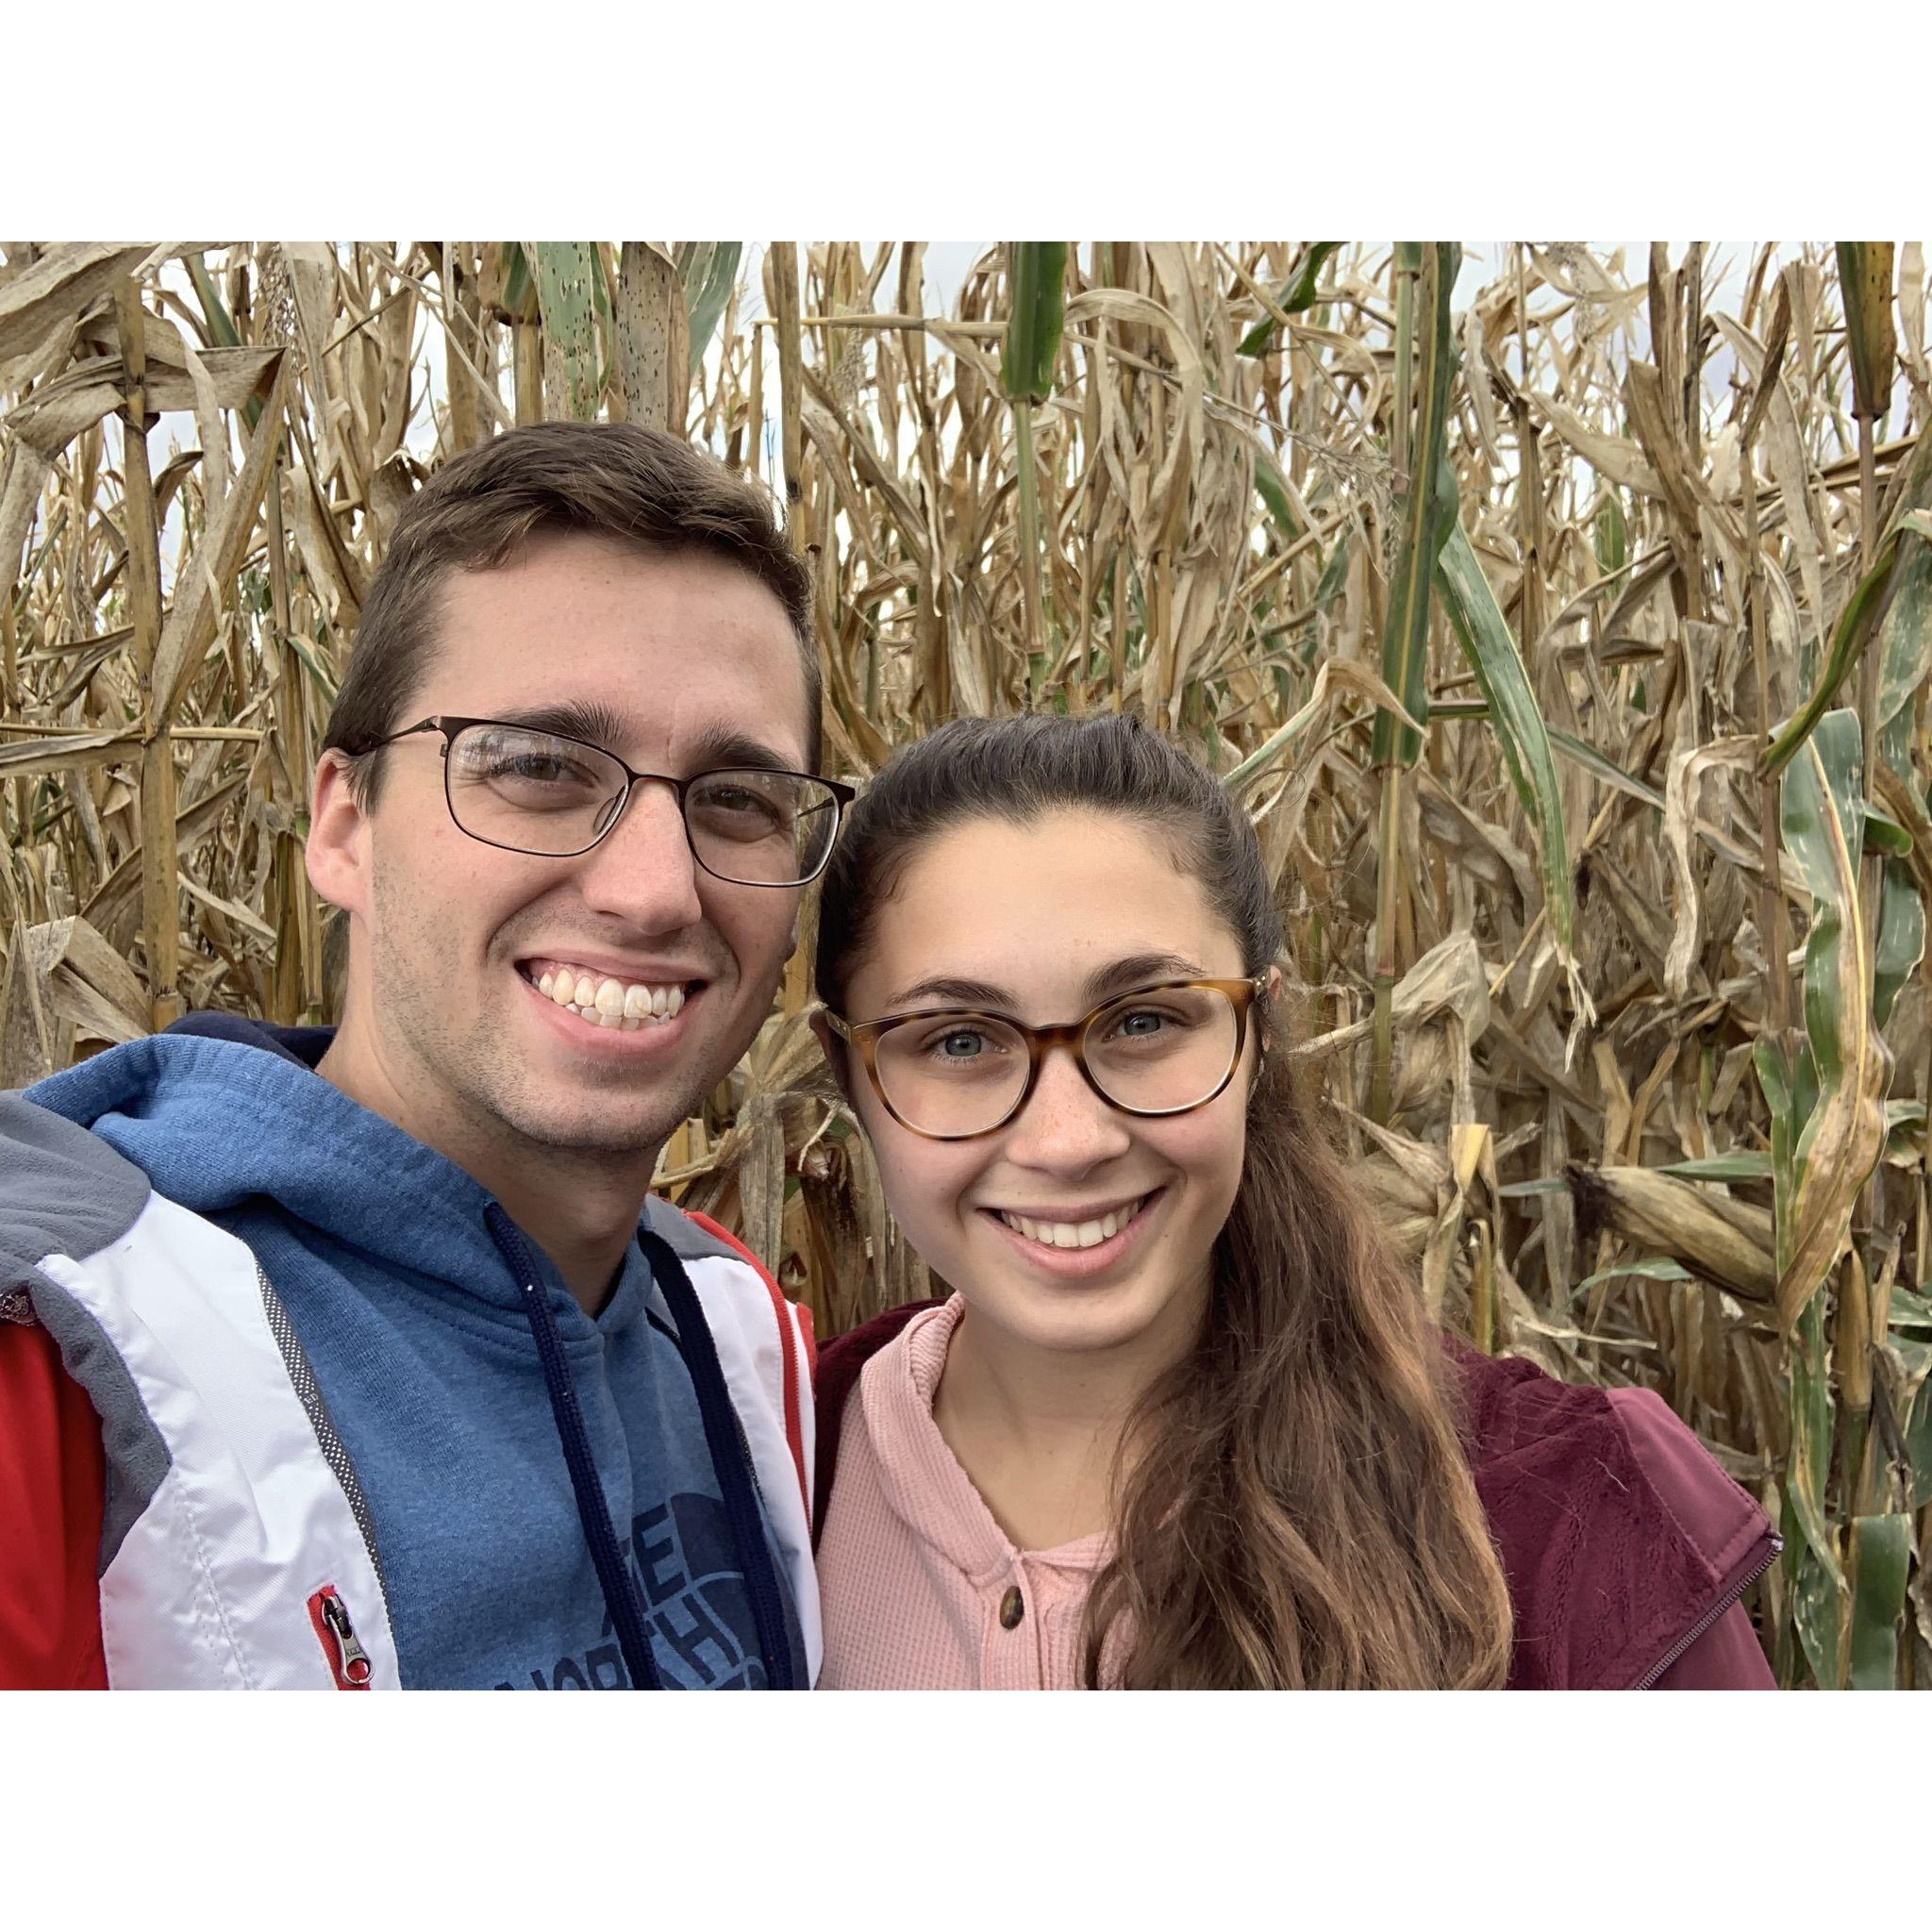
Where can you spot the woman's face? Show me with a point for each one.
(1042, 922)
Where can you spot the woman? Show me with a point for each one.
(1182, 1421)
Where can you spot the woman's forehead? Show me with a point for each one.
(1039, 908)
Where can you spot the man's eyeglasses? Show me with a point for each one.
(542, 792)
(953, 1074)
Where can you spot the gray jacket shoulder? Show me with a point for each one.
(682, 1235)
(63, 1190)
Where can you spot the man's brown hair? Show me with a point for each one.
(615, 480)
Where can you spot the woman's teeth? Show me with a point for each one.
(611, 1002)
(1074, 1234)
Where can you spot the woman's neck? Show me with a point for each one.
(1038, 1429)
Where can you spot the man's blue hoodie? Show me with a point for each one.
(416, 1326)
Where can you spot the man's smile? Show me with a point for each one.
(626, 1000)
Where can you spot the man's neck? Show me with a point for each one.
(581, 1209)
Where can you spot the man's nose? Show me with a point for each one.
(1066, 1127)
(643, 869)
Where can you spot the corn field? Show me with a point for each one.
(1562, 615)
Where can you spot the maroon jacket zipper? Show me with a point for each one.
(1728, 1600)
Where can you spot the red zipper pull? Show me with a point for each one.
(348, 1661)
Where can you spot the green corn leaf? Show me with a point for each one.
(1843, 1135)
(1881, 1553)
(1901, 936)
(1334, 573)
(1272, 488)
(1653, 1267)
(564, 274)
(1774, 1078)
(1039, 297)
(1813, 1412)
(1904, 644)
(1811, 1559)
(1847, 639)
(1429, 514)
(517, 284)
(1742, 1164)
(710, 271)
(220, 325)
(1612, 536)
(602, 273)
(1817, 1607)
(1917, 1434)
(1599, 766)
(314, 666)
(1296, 296)
(1517, 720)
(1883, 832)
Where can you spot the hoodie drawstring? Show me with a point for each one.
(620, 1593)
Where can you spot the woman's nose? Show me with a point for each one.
(1065, 1125)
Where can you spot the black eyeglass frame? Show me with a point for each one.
(452, 727)
(1072, 1034)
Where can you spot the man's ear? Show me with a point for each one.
(338, 847)
(834, 1050)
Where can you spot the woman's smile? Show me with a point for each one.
(1078, 1245)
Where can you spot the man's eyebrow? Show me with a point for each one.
(1137, 969)
(598, 724)
(586, 717)
(721, 746)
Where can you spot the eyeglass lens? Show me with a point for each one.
(534, 792)
(1155, 1052)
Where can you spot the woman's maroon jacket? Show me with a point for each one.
(1626, 1547)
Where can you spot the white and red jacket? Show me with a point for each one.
(174, 1508)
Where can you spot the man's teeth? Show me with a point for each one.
(1074, 1234)
(606, 1002)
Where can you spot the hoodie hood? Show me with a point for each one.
(218, 1110)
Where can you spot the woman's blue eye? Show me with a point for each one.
(960, 1046)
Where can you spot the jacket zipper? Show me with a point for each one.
(302, 1377)
(1727, 1602)
(348, 1661)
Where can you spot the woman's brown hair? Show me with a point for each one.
(1293, 1508)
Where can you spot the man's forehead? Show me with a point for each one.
(728, 687)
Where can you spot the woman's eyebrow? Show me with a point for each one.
(1137, 969)
(952, 992)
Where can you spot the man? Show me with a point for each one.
(360, 1358)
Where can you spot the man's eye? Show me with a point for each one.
(737, 799)
(536, 768)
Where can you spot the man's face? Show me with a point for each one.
(681, 663)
